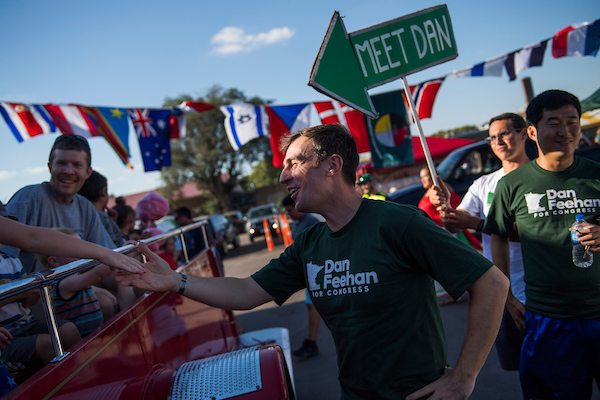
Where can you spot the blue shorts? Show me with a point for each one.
(560, 357)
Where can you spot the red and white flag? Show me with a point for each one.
(195, 106)
(72, 120)
(178, 123)
(334, 112)
(26, 120)
(424, 96)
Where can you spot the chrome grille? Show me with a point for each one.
(219, 377)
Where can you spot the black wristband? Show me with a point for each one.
(182, 284)
(479, 227)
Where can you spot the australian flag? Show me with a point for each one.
(153, 130)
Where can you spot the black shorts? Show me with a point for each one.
(22, 347)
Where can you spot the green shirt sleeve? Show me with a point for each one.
(500, 219)
(283, 276)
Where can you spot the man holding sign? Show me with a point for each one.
(369, 271)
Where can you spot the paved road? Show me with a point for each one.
(316, 378)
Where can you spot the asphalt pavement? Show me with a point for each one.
(316, 378)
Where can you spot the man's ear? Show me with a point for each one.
(532, 132)
(89, 172)
(53, 261)
(335, 164)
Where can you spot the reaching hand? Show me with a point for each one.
(121, 262)
(439, 196)
(159, 277)
(450, 386)
(455, 220)
(5, 338)
(517, 311)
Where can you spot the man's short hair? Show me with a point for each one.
(550, 100)
(327, 140)
(518, 122)
(71, 142)
(184, 211)
(43, 258)
(93, 186)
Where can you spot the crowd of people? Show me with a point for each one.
(369, 268)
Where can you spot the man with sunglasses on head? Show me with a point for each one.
(507, 138)
(57, 204)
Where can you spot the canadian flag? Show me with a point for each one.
(334, 112)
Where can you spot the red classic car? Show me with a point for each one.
(163, 346)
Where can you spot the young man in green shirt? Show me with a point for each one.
(560, 353)
(369, 271)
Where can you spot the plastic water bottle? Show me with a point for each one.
(582, 257)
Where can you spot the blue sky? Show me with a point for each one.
(137, 53)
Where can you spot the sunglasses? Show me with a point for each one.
(77, 138)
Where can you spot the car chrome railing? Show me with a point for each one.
(42, 280)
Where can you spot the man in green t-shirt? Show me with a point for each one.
(370, 272)
(560, 353)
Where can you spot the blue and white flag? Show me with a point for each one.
(527, 57)
(153, 130)
(244, 122)
(492, 67)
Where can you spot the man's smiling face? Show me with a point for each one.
(300, 175)
(69, 170)
(558, 132)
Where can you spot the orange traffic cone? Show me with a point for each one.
(287, 232)
(267, 228)
(278, 229)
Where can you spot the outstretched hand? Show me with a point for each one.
(158, 276)
(449, 386)
(119, 261)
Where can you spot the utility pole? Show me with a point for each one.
(527, 90)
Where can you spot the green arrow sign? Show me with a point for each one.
(348, 65)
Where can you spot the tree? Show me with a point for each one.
(205, 156)
(456, 131)
(264, 174)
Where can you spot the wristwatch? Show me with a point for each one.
(182, 284)
(479, 227)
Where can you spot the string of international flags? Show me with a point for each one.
(155, 127)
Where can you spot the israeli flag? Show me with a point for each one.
(244, 122)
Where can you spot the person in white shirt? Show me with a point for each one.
(507, 138)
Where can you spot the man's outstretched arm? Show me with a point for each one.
(488, 295)
(227, 293)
